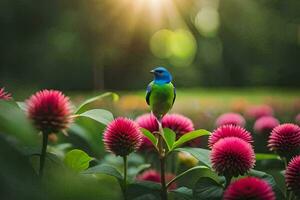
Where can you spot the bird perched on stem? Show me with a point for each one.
(161, 92)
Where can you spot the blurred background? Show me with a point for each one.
(112, 44)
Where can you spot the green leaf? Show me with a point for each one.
(77, 160)
(200, 154)
(83, 107)
(200, 168)
(150, 136)
(169, 137)
(104, 169)
(264, 156)
(22, 105)
(99, 115)
(207, 188)
(269, 178)
(143, 190)
(190, 136)
(15, 126)
(182, 193)
(133, 171)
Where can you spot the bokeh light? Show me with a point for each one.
(178, 46)
(207, 21)
(160, 43)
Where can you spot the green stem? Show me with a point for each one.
(162, 158)
(125, 176)
(228, 180)
(43, 154)
(287, 192)
(163, 179)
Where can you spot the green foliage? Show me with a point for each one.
(200, 154)
(15, 124)
(99, 115)
(77, 160)
(105, 169)
(143, 190)
(190, 136)
(264, 156)
(169, 137)
(150, 136)
(89, 102)
(182, 193)
(207, 188)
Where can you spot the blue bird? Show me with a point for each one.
(161, 93)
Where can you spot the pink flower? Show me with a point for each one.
(49, 110)
(232, 156)
(178, 123)
(249, 188)
(229, 131)
(149, 122)
(230, 118)
(292, 175)
(4, 95)
(122, 136)
(297, 119)
(154, 176)
(265, 124)
(258, 111)
(149, 175)
(285, 140)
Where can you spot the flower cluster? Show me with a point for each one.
(4, 95)
(285, 140)
(265, 125)
(249, 188)
(230, 118)
(122, 137)
(49, 110)
(292, 175)
(229, 131)
(257, 111)
(232, 156)
(176, 122)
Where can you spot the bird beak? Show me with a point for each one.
(152, 71)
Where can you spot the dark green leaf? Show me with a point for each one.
(182, 193)
(104, 169)
(200, 154)
(150, 136)
(99, 115)
(190, 136)
(169, 137)
(83, 107)
(199, 168)
(77, 160)
(16, 127)
(143, 190)
(207, 188)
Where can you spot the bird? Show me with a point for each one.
(160, 93)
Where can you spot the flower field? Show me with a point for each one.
(212, 145)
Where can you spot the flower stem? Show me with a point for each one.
(162, 158)
(125, 176)
(43, 154)
(228, 180)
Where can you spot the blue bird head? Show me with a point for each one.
(161, 75)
